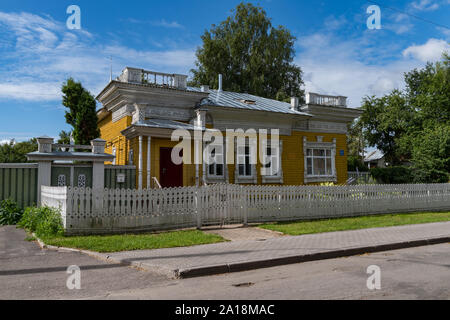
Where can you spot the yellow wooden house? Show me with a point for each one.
(141, 109)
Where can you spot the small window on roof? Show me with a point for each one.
(246, 101)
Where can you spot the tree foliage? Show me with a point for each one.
(13, 152)
(251, 54)
(413, 125)
(64, 137)
(81, 114)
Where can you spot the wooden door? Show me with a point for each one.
(171, 175)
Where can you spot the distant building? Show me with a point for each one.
(375, 159)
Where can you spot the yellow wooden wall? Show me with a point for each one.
(292, 160)
(110, 131)
(292, 156)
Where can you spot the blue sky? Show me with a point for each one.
(336, 50)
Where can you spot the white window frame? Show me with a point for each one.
(253, 177)
(214, 178)
(277, 178)
(330, 146)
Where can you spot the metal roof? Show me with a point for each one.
(164, 124)
(374, 156)
(237, 100)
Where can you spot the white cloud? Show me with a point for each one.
(42, 53)
(5, 141)
(425, 5)
(160, 23)
(166, 24)
(430, 51)
(30, 91)
(341, 68)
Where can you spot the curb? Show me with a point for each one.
(250, 265)
(173, 274)
(267, 263)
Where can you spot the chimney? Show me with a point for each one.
(294, 103)
(220, 82)
(204, 88)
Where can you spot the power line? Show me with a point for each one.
(409, 14)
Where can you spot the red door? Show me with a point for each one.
(171, 175)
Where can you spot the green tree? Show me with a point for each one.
(413, 125)
(356, 145)
(13, 152)
(64, 137)
(251, 54)
(431, 155)
(82, 114)
(385, 120)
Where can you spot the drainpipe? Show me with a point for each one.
(220, 83)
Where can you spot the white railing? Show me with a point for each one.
(160, 79)
(325, 100)
(113, 210)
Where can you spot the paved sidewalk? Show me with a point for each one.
(239, 233)
(246, 255)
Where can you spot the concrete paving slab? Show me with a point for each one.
(251, 254)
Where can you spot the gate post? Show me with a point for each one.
(98, 175)
(198, 207)
(44, 166)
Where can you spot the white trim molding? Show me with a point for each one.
(320, 145)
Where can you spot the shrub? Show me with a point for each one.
(44, 221)
(10, 213)
(356, 164)
(393, 175)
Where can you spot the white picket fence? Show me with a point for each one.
(119, 210)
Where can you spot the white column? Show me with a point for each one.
(141, 162)
(149, 173)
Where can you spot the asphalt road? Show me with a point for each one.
(27, 272)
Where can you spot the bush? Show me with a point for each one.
(356, 164)
(10, 213)
(393, 175)
(44, 221)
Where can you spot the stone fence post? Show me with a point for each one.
(44, 167)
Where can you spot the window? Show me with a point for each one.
(319, 162)
(272, 171)
(131, 157)
(114, 154)
(245, 168)
(246, 162)
(216, 169)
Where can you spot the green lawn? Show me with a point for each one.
(341, 224)
(128, 242)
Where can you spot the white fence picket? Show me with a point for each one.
(172, 208)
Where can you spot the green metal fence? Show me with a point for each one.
(111, 177)
(18, 182)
